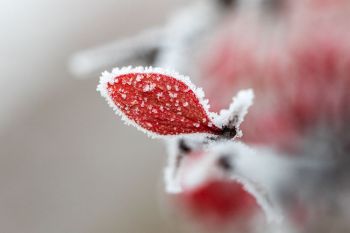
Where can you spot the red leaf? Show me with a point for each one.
(158, 101)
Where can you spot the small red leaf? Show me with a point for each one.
(160, 102)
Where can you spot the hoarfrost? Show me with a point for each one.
(139, 78)
(234, 115)
(172, 95)
(149, 87)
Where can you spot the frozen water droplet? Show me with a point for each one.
(196, 125)
(149, 87)
(172, 95)
(185, 104)
(138, 77)
(160, 94)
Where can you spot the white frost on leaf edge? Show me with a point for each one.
(238, 108)
(109, 77)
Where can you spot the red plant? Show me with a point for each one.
(162, 104)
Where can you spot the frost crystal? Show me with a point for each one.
(149, 87)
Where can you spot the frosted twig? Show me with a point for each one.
(118, 52)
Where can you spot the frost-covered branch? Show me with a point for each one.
(140, 47)
(165, 104)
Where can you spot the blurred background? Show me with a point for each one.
(67, 163)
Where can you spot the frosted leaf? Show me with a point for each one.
(156, 90)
